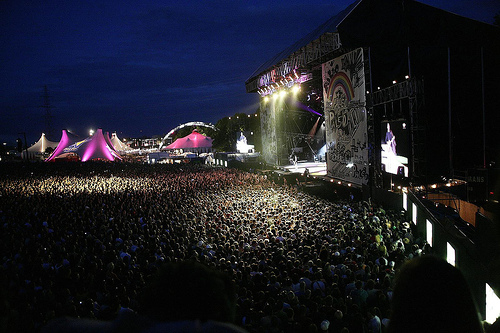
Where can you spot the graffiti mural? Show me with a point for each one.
(345, 117)
(268, 131)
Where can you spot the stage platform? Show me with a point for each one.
(315, 168)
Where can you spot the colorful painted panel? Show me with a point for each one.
(345, 118)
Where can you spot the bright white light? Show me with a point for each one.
(282, 93)
(407, 77)
(295, 88)
(266, 99)
(225, 164)
(394, 82)
(429, 232)
(91, 132)
(492, 305)
(450, 254)
(405, 201)
(433, 186)
(414, 213)
(350, 165)
(448, 185)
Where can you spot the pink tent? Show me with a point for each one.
(67, 139)
(94, 147)
(193, 140)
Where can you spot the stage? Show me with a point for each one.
(315, 168)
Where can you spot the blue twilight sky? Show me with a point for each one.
(144, 67)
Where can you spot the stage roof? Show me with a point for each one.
(383, 24)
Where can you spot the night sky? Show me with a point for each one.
(141, 68)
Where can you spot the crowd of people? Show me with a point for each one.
(85, 240)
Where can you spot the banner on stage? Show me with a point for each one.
(345, 117)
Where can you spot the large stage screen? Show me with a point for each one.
(395, 148)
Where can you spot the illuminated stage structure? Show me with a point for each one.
(194, 142)
(366, 68)
(95, 147)
(188, 124)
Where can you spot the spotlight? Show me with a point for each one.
(282, 93)
(296, 88)
(394, 82)
(407, 77)
(266, 99)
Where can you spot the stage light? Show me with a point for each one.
(91, 132)
(394, 82)
(266, 99)
(296, 88)
(407, 77)
(282, 93)
(433, 186)
(275, 96)
(448, 185)
(229, 118)
(248, 116)
(339, 182)
(349, 184)
(256, 114)
(378, 88)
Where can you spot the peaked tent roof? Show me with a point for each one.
(67, 139)
(193, 140)
(94, 147)
(119, 146)
(42, 144)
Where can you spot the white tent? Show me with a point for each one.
(119, 146)
(42, 144)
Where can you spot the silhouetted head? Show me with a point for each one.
(431, 295)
